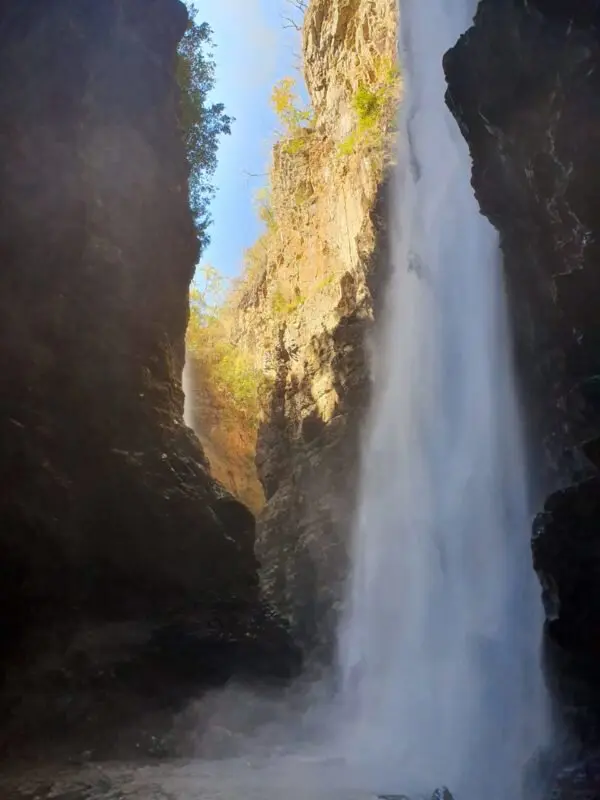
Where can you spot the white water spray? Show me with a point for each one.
(439, 650)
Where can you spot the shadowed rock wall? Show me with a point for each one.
(107, 513)
(524, 85)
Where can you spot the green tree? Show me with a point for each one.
(202, 122)
(375, 106)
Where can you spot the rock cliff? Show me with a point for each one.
(524, 85)
(127, 572)
(307, 308)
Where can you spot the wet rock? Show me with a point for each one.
(566, 557)
(534, 173)
(524, 86)
(578, 781)
(441, 793)
(392, 797)
(116, 693)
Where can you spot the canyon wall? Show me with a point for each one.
(123, 563)
(524, 85)
(305, 312)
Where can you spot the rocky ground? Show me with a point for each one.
(294, 775)
(292, 778)
(200, 780)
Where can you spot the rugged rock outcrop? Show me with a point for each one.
(305, 314)
(524, 84)
(108, 515)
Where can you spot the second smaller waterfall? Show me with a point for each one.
(187, 386)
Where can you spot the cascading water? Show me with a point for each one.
(439, 650)
(186, 385)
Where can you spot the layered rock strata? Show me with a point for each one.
(307, 314)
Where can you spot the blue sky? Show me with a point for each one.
(253, 51)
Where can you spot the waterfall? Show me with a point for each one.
(439, 647)
(186, 385)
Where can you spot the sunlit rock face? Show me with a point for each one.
(331, 210)
(524, 85)
(108, 514)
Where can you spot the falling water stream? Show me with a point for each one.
(439, 649)
(186, 385)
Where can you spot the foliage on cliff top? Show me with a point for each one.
(202, 122)
(228, 371)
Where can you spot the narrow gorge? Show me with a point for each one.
(373, 567)
(129, 578)
(304, 308)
